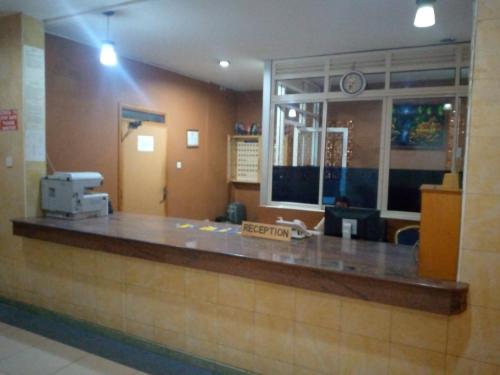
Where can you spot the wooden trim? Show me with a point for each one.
(437, 297)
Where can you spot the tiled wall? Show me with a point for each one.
(476, 334)
(19, 184)
(266, 328)
(278, 330)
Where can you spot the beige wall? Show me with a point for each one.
(19, 193)
(82, 123)
(279, 330)
(478, 329)
(248, 111)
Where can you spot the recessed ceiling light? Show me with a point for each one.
(292, 113)
(224, 63)
(425, 14)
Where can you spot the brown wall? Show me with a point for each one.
(366, 117)
(248, 111)
(82, 123)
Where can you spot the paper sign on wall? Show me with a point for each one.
(145, 143)
(8, 119)
(33, 88)
(34, 103)
(34, 145)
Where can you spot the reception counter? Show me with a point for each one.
(370, 271)
(322, 305)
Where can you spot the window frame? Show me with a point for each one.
(386, 95)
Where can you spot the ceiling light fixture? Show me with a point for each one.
(108, 54)
(224, 63)
(447, 106)
(292, 113)
(425, 13)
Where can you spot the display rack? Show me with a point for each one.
(243, 158)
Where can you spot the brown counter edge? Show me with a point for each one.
(439, 300)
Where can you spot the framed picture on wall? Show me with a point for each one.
(419, 125)
(193, 138)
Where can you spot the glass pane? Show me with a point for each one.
(464, 76)
(423, 78)
(375, 81)
(296, 152)
(352, 152)
(421, 148)
(335, 83)
(299, 86)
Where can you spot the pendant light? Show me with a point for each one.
(425, 16)
(108, 54)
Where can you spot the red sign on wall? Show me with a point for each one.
(8, 119)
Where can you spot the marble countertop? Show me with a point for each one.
(311, 263)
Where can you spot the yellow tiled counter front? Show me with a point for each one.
(262, 327)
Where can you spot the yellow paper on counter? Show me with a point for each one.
(224, 230)
(184, 226)
(208, 228)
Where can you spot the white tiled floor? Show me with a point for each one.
(25, 353)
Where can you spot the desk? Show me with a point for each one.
(371, 271)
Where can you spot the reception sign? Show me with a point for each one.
(271, 232)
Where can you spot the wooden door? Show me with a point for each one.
(143, 167)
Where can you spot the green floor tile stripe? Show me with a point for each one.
(113, 334)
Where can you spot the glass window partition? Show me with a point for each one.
(464, 76)
(423, 78)
(352, 151)
(421, 148)
(375, 81)
(297, 152)
(299, 86)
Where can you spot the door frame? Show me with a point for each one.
(120, 156)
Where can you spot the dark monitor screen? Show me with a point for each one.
(365, 222)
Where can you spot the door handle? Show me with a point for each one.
(164, 196)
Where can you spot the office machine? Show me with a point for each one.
(347, 222)
(68, 195)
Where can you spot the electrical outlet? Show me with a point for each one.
(179, 165)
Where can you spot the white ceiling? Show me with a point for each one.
(190, 36)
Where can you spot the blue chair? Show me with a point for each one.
(407, 235)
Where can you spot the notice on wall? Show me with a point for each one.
(145, 143)
(33, 88)
(8, 119)
(34, 103)
(34, 145)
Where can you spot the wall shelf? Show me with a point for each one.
(243, 158)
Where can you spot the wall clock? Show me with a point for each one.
(353, 83)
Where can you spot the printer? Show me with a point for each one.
(68, 195)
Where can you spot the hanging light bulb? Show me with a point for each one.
(292, 113)
(425, 14)
(108, 54)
